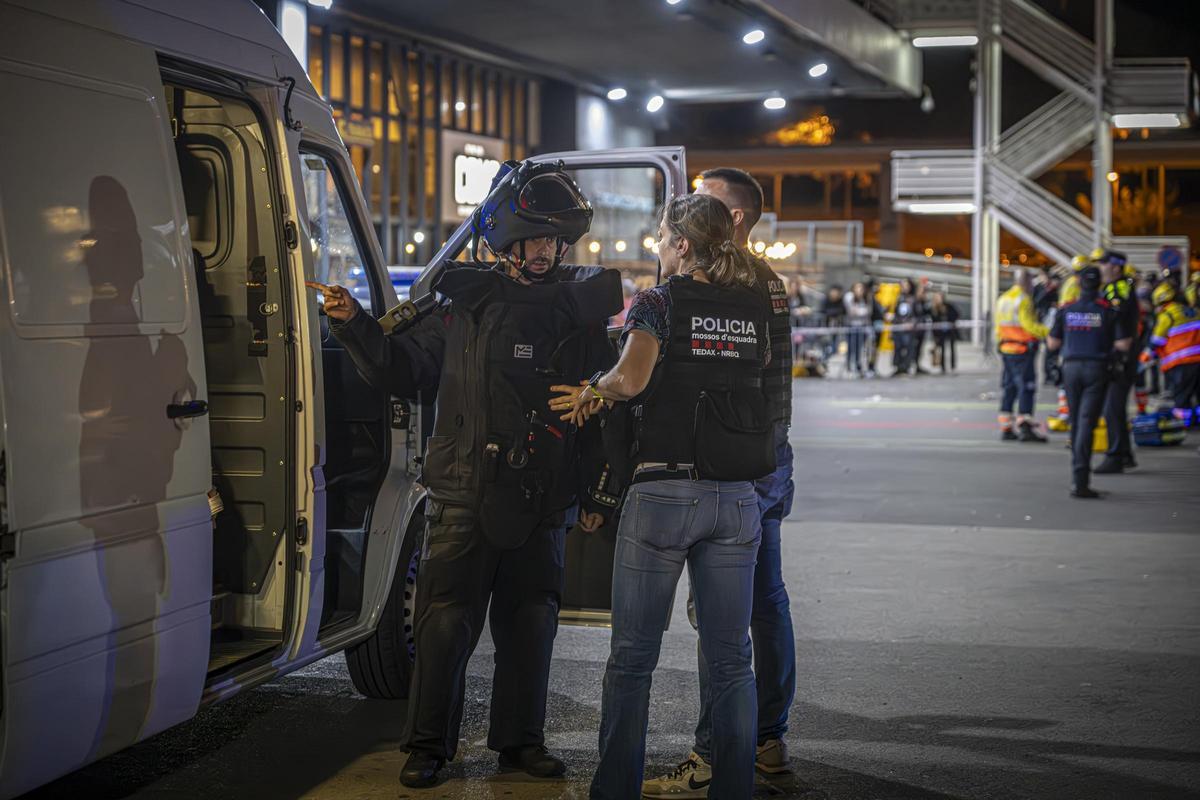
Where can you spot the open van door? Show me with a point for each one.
(627, 188)
(108, 545)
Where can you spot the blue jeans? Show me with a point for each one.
(714, 528)
(771, 618)
(1019, 380)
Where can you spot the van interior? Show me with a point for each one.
(226, 170)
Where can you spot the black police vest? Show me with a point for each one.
(1088, 328)
(705, 405)
(528, 338)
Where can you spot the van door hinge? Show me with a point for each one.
(301, 532)
(289, 235)
(8, 544)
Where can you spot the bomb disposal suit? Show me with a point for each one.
(501, 471)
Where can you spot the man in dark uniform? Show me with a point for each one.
(502, 474)
(1118, 292)
(1088, 332)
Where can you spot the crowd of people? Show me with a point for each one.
(858, 324)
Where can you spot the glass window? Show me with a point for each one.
(316, 65)
(431, 87)
(337, 75)
(477, 100)
(447, 87)
(491, 104)
(506, 108)
(337, 256)
(413, 76)
(461, 84)
(519, 113)
(626, 202)
(375, 81)
(357, 96)
(395, 83)
(535, 113)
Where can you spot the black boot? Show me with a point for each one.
(1007, 435)
(1028, 434)
(421, 770)
(1111, 465)
(1084, 492)
(1128, 462)
(534, 760)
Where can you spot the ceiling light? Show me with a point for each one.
(460, 106)
(774, 103)
(617, 94)
(593, 247)
(1147, 121)
(619, 245)
(325, 4)
(945, 41)
(817, 70)
(940, 208)
(754, 37)
(419, 237)
(648, 243)
(1112, 177)
(674, 2)
(654, 103)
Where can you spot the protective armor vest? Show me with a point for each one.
(705, 406)
(510, 344)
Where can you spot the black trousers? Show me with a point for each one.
(460, 573)
(1116, 412)
(1086, 384)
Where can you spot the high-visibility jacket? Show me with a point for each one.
(1176, 336)
(1017, 326)
(1069, 292)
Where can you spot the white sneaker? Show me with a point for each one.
(689, 779)
(771, 757)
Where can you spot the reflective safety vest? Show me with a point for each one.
(1016, 322)
(1176, 336)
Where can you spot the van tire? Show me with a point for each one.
(381, 665)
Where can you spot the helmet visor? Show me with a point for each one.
(550, 195)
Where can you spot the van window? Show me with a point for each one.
(92, 236)
(337, 257)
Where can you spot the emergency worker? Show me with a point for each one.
(1018, 333)
(1176, 340)
(1191, 293)
(502, 473)
(1088, 332)
(1069, 293)
(691, 366)
(771, 619)
(1116, 276)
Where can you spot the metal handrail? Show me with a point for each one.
(1048, 38)
(1056, 220)
(1044, 137)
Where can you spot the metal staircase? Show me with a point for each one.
(997, 179)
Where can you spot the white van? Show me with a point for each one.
(168, 179)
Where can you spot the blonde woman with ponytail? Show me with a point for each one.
(691, 364)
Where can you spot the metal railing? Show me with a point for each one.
(1053, 225)
(1047, 45)
(932, 175)
(1151, 85)
(1047, 135)
(1142, 251)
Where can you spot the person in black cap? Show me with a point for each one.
(1093, 344)
(502, 473)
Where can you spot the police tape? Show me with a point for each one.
(890, 327)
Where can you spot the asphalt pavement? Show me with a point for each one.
(964, 629)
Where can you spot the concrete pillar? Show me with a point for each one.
(1102, 157)
(985, 231)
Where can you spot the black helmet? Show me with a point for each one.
(530, 201)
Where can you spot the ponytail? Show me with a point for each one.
(707, 224)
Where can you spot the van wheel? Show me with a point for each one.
(381, 665)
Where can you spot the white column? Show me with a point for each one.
(1102, 140)
(985, 231)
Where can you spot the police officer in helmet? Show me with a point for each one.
(502, 473)
(1116, 278)
(1093, 344)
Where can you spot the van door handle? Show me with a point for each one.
(192, 408)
